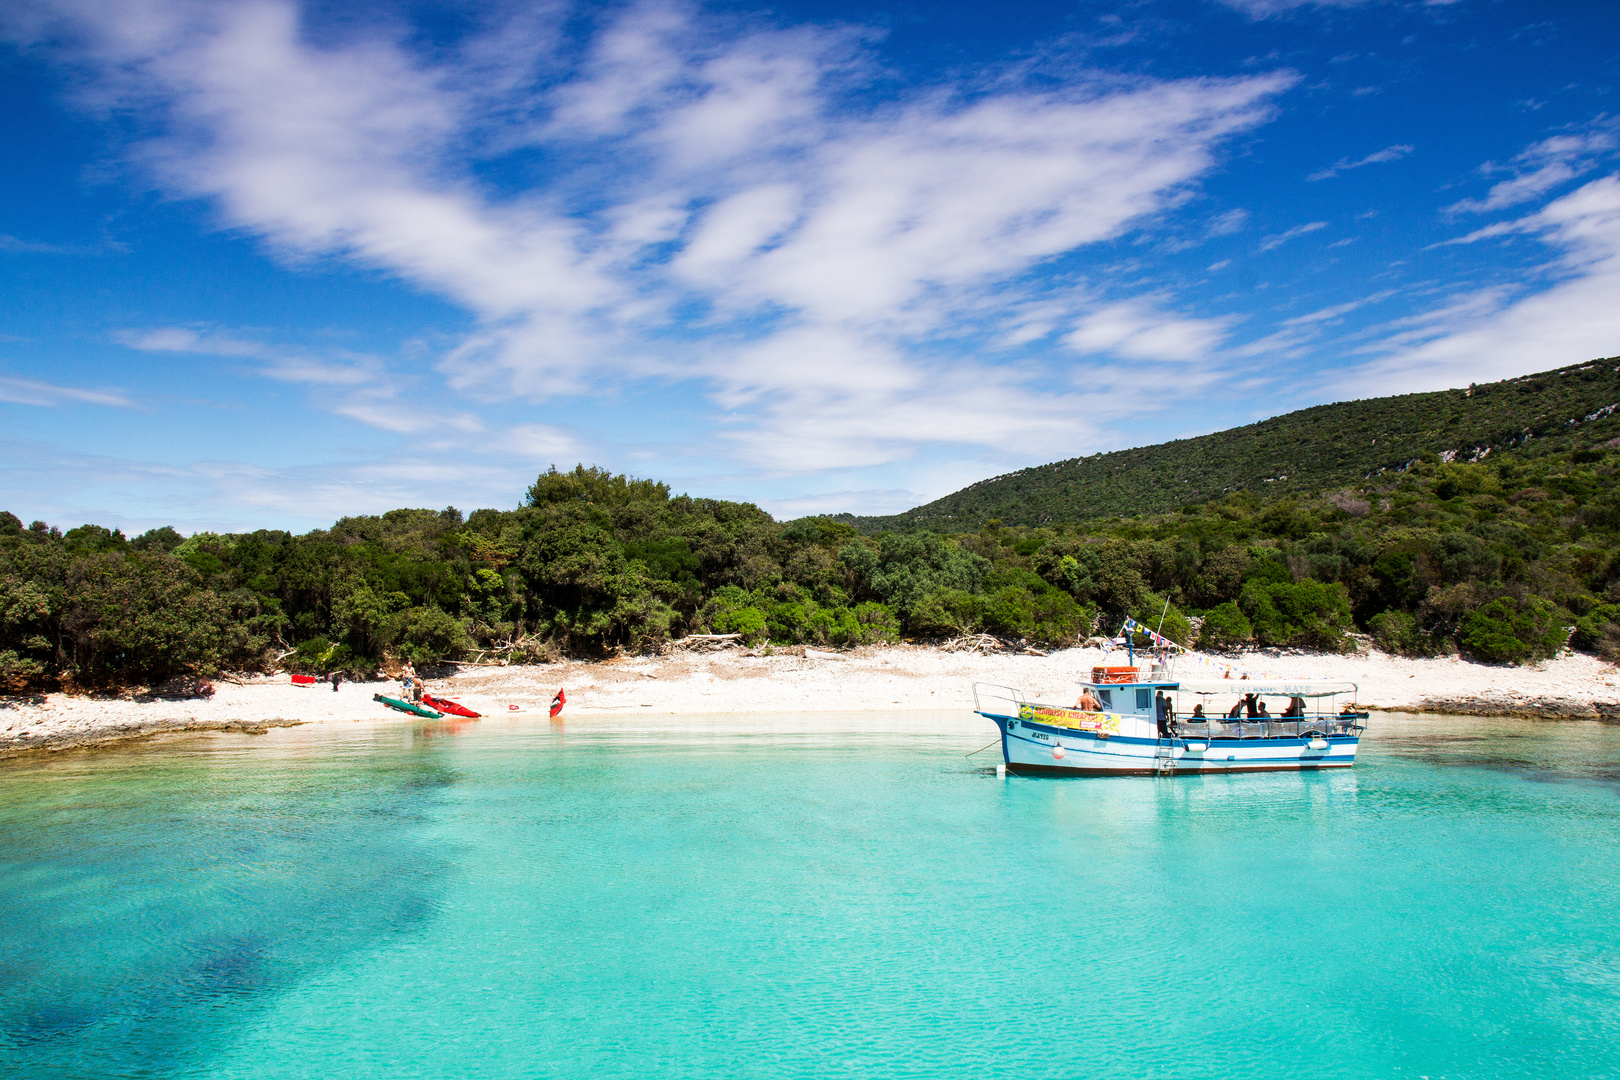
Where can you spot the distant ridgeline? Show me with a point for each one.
(1299, 452)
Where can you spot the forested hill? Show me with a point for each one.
(1299, 452)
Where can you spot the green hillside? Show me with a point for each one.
(1300, 452)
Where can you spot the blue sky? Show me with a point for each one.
(265, 263)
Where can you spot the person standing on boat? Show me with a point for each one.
(1088, 701)
(1161, 706)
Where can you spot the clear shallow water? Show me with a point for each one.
(812, 897)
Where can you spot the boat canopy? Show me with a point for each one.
(1268, 687)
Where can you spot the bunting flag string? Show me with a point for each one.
(1225, 670)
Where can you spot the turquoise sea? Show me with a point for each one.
(809, 896)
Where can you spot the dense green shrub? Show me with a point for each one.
(431, 635)
(1225, 629)
(1150, 611)
(1303, 615)
(1398, 633)
(1513, 631)
(1595, 630)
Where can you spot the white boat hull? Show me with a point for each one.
(1038, 748)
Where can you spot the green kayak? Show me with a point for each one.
(405, 706)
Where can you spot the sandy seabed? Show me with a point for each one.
(799, 681)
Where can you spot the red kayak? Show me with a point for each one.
(304, 680)
(558, 702)
(445, 705)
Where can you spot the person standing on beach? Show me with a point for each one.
(336, 677)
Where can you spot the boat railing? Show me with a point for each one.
(996, 700)
(1270, 727)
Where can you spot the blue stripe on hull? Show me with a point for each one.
(1098, 760)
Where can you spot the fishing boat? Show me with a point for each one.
(1136, 720)
(445, 705)
(407, 707)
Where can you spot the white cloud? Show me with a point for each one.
(1544, 166)
(17, 391)
(1337, 311)
(1282, 238)
(1135, 331)
(339, 368)
(1377, 157)
(1500, 332)
(540, 442)
(1228, 223)
(825, 247)
(1265, 9)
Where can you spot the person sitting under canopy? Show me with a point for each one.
(1296, 707)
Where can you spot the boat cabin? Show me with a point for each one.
(1229, 708)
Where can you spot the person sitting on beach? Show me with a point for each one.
(1088, 701)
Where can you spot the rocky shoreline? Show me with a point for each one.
(732, 680)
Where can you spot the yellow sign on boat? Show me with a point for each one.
(1069, 718)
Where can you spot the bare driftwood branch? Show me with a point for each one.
(974, 643)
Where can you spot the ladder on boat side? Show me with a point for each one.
(1164, 757)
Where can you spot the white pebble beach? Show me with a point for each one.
(733, 681)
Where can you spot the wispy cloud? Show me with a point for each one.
(1544, 166)
(336, 368)
(34, 392)
(1377, 157)
(1267, 9)
(11, 245)
(1337, 311)
(1279, 239)
(721, 209)
(1135, 330)
(1499, 331)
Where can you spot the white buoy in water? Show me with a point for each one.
(1001, 768)
(1057, 751)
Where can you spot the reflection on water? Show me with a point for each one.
(804, 896)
